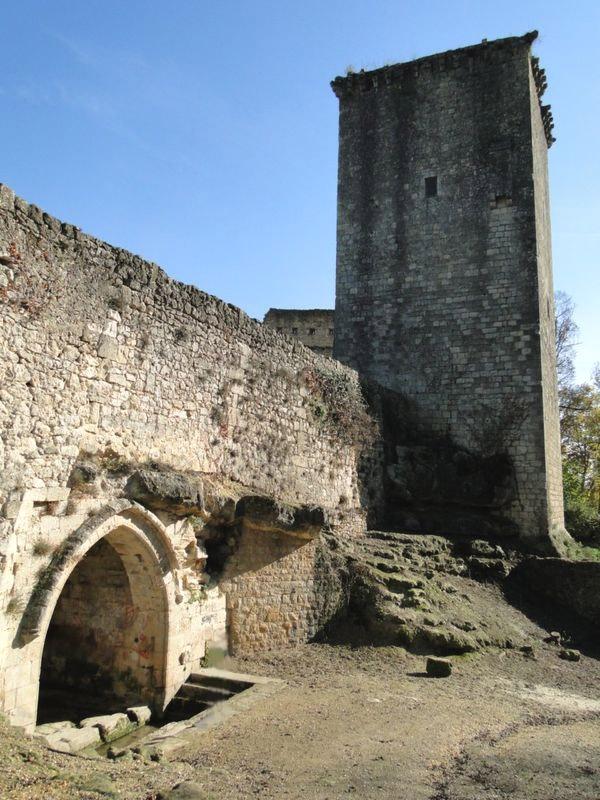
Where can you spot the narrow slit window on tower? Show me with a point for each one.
(431, 186)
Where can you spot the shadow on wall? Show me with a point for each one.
(560, 595)
(95, 631)
(268, 558)
(432, 485)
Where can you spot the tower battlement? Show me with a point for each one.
(472, 58)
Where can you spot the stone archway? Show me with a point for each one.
(105, 647)
(62, 636)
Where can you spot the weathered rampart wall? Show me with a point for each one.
(102, 351)
(108, 366)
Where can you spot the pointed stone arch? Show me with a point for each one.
(150, 563)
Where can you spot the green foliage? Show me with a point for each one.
(580, 432)
(42, 547)
(579, 552)
(338, 406)
(580, 429)
(581, 520)
(197, 595)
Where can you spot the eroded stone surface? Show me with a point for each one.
(427, 593)
(139, 409)
(111, 726)
(72, 740)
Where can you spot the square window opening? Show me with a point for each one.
(431, 186)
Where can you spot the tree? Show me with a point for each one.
(566, 335)
(581, 443)
(580, 430)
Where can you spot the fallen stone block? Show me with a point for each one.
(111, 726)
(186, 790)
(73, 740)
(120, 754)
(50, 728)
(161, 750)
(569, 654)
(439, 667)
(553, 637)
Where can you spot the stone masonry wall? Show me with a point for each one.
(107, 361)
(443, 263)
(563, 587)
(279, 589)
(94, 627)
(553, 458)
(104, 352)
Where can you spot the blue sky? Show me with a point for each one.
(203, 135)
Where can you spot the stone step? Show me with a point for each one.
(218, 681)
(204, 694)
(111, 726)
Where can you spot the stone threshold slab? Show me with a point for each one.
(173, 737)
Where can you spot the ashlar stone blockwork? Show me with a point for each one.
(314, 327)
(444, 278)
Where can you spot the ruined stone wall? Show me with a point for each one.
(108, 366)
(314, 327)
(279, 589)
(564, 588)
(103, 352)
(443, 267)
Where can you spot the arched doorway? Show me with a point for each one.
(105, 645)
(138, 556)
(106, 642)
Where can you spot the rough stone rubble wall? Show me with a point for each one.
(103, 356)
(105, 352)
(437, 297)
(90, 616)
(279, 589)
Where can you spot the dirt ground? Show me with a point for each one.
(367, 723)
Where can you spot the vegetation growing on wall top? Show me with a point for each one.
(338, 406)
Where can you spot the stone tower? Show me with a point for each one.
(444, 274)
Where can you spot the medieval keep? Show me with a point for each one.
(444, 269)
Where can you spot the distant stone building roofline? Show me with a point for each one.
(314, 327)
(300, 311)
